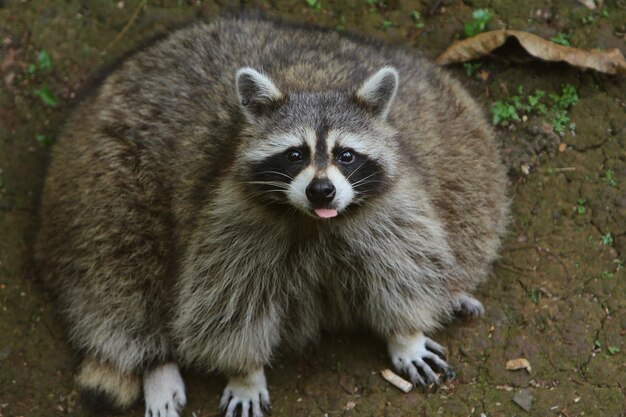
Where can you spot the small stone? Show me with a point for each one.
(524, 399)
(519, 363)
(562, 147)
(350, 405)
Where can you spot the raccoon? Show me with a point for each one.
(243, 185)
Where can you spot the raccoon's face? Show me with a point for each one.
(321, 152)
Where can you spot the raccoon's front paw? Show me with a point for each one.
(466, 305)
(248, 394)
(420, 358)
(164, 391)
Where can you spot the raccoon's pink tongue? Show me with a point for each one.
(326, 213)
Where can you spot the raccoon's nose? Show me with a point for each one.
(320, 191)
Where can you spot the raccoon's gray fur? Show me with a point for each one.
(186, 213)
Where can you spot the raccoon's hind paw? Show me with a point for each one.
(248, 394)
(466, 305)
(164, 391)
(420, 358)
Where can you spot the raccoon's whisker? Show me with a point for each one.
(274, 172)
(273, 183)
(363, 184)
(357, 168)
(363, 179)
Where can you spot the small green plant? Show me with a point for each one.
(605, 13)
(608, 275)
(588, 20)
(342, 24)
(372, 4)
(613, 350)
(580, 206)
(597, 344)
(607, 239)
(560, 118)
(561, 39)
(533, 295)
(568, 97)
(44, 61)
(46, 96)
(43, 64)
(476, 26)
(560, 122)
(472, 67)
(314, 4)
(609, 178)
(387, 24)
(503, 112)
(417, 18)
(43, 139)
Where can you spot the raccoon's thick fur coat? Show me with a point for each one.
(182, 212)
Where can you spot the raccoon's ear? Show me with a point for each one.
(378, 91)
(257, 94)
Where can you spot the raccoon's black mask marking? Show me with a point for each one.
(366, 175)
(270, 177)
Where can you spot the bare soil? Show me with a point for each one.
(557, 297)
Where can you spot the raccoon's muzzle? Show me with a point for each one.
(320, 192)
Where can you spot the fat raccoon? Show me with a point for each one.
(244, 184)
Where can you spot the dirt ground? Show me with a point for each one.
(557, 297)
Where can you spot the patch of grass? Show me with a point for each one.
(607, 239)
(533, 295)
(417, 18)
(46, 96)
(387, 24)
(597, 344)
(580, 206)
(561, 39)
(609, 178)
(556, 108)
(476, 26)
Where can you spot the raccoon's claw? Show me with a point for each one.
(420, 358)
(164, 391)
(468, 306)
(246, 396)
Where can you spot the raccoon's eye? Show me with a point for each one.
(294, 155)
(346, 156)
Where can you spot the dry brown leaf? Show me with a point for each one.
(610, 61)
(519, 363)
